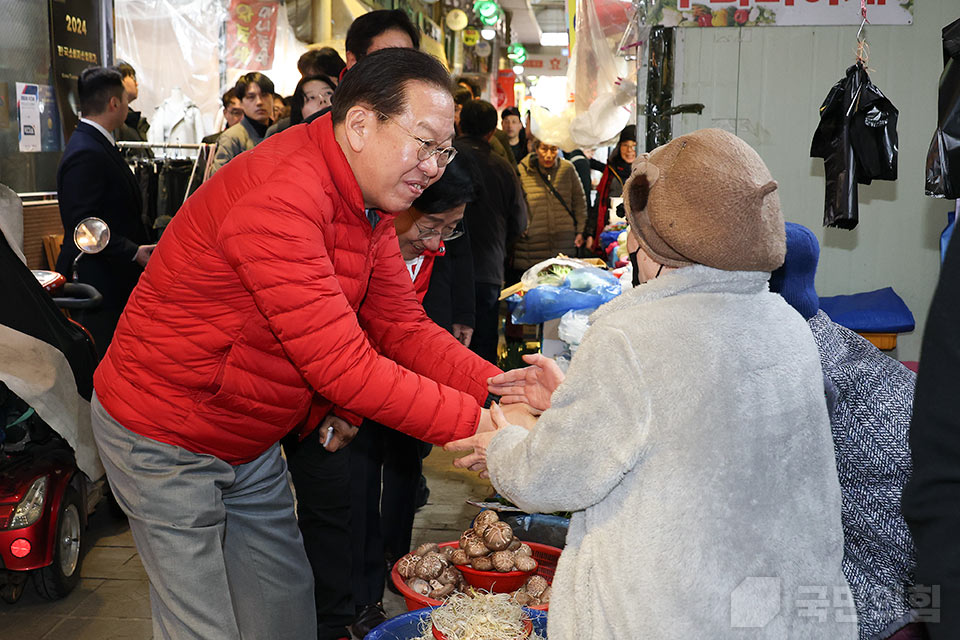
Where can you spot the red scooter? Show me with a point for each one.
(50, 476)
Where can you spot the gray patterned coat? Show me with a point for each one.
(870, 400)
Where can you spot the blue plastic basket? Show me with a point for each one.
(406, 626)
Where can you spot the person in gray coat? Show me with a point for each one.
(556, 208)
(255, 91)
(690, 438)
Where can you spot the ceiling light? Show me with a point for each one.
(517, 69)
(556, 39)
(488, 34)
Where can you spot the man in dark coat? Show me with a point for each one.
(931, 501)
(496, 219)
(94, 180)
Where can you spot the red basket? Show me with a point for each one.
(545, 555)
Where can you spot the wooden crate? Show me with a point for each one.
(40, 219)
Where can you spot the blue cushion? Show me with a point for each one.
(880, 311)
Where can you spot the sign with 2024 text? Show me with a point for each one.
(750, 13)
(251, 35)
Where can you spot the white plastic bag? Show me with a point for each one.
(573, 324)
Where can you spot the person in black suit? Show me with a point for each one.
(94, 180)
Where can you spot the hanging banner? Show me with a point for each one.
(540, 65)
(251, 35)
(504, 96)
(75, 44)
(750, 13)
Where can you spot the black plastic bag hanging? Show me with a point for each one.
(857, 139)
(942, 175)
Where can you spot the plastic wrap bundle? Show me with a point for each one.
(943, 160)
(857, 139)
(581, 288)
(602, 98)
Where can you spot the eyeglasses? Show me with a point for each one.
(446, 234)
(428, 148)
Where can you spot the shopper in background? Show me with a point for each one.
(279, 300)
(386, 464)
(496, 218)
(281, 109)
(378, 30)
(383, 29)
(931, 501)
(556, 207)
(712, 446)
(312, 95)
(232, 114)
(93, 180)
(471, 85)
(134, 127)
(611, 184)
(517, 136)
(256, 98)
(322, 61)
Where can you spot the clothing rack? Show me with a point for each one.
(130, 144)
(133, 144)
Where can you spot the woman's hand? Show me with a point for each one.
(533, 385)
(578, 241)
(477, 461)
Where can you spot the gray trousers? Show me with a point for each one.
(219, 542)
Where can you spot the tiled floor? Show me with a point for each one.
(112, 601)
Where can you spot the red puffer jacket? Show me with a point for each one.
(270, 285)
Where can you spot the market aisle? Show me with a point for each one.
(112, 601)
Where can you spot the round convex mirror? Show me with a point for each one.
(91, 235)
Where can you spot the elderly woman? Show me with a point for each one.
(702, 479)
(556, 207)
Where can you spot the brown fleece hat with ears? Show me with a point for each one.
(706, 198)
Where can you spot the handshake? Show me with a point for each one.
(524, 395)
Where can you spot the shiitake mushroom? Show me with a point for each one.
(545, 596)
(482, 563)
(429, 567)
(524, 563)
(407, 565)
(419, 585)
(442, 592)
(475, 548)
(536, 585)
(514, 544)
(459, 556)
(524, 550)
(426, 548)
(483, 520)
(502, 561)
(449, 576)
(498, 536)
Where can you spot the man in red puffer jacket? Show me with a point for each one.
(276, 296)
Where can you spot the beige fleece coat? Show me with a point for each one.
(692, 441)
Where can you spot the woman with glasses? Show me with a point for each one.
(611, 184)
(385, 464)
(556, 209)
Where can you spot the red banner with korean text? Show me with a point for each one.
(251, 34)
(750, 13)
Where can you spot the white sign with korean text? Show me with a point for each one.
(750, 13)
(28, 115)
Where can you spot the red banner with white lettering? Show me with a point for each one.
(251, 34)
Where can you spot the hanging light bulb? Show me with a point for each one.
(488, 33)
